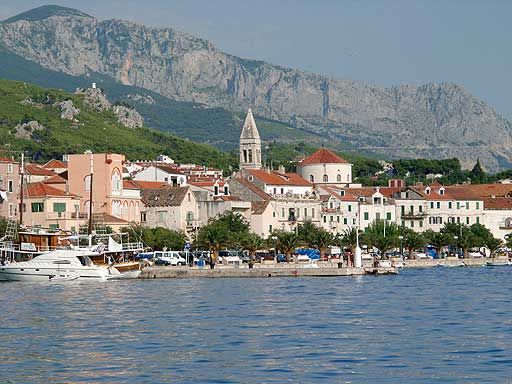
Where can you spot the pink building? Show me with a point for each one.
(110, 196)
(9, 187)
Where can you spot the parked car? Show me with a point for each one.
(144, 256)
(173, 258)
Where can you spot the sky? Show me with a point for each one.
(381, 42)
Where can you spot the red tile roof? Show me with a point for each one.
(37, 170)
(276, 178)
(336, 193)
(54, 163)
(497, 203)
(57, 179)
(41, 189)
(7, 160)
(323, 155)
(149, 184)
(130, 184)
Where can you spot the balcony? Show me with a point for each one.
(192, 224)
(413, 215)
(331, 210)
(65, 216)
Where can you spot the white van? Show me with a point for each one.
(173, 258)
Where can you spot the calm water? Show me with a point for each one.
(422, 326)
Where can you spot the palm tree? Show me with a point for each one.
(287, 242)
(412, 241)
(348, 238)
(213, 237)
(382, 235)
(252, 243)
(322, 240)
(437, 239)
(307, 232)
(493, 244)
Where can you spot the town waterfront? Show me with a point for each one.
(421, 326)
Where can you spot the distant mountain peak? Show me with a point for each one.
(44, 12)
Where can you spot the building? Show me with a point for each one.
(9, 187)
(45, 206)
(173, 208)
(161, 172)
(250, 144)
(325, 167)
(111, 196)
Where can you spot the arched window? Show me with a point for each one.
(116, 182)
(311, 178)
(338, 178)
(508, 222)
(226, 190)
(87, 183)
(326, 179)
(190, 216)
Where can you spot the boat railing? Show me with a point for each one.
(133, 246)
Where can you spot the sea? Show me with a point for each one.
(437, 325)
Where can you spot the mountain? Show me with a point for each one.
(432, 120)
(32, 119)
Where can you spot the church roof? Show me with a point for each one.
(250, 131)
(323, 156)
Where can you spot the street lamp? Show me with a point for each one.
(274, 238)
(456, 245)
(401, 247)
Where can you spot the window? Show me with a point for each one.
(305, 212)
(312, 212)
(326, 178)
(345, 221)
(421, 223)
(143, 217)
(467, 204)
(325, 219)
(458, 204)
(350, 208)
(450, 205)
(245, 155)
(478, 220)
(282, 191)
(477, 205)
(9, 168)
(270, 228)
(311, 178)
(403, 223)
(438, 205)
(275, 191)
(291, 214)
(467, 220)
(250, 155)
(338, 219)
(226, 191)
(87, 183)
(388, 215)
(11, 209)
(420, 208)
(54, 226)
(338, 178)
(216, 190)
(458, 220)
(412, 224)
(189, 198)
(331, 219)
(161, 216)
(11, 186)
(431, 205)
(273, 213)
(116, 182)
(59, 207)
(37, 207)
(282, 212)
(190, 217)
(366, 216)
(441, 191)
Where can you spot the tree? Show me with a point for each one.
(477, 174)
(493, 245)
(348, 238)
(322, 240)
(307, 233)
(287, 242)
(252, 243)
(412, 240)
(159, 238)
(213, 237)
(382, 235)
(461, 236)
(436, 239)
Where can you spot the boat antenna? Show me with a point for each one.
(89, 229)
(22, 174)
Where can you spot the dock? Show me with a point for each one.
(265, 271)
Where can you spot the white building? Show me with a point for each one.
(325, 167)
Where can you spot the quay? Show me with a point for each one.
(265, 271)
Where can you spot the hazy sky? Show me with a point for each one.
(381, 42)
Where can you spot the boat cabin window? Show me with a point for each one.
(84, 260)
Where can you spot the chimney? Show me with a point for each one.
(281, 169)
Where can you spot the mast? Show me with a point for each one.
(89, 231)
(22, 173)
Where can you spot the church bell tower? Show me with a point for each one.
(250, 144)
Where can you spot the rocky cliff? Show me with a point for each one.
(433, 120)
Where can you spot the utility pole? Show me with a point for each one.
(22, 175)
(89, 231)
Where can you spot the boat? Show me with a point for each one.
(58, 265)
(498, 263)
(454, 265)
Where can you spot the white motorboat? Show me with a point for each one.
(498, 263)
(57, 265)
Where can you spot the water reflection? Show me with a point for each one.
(450, 325)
